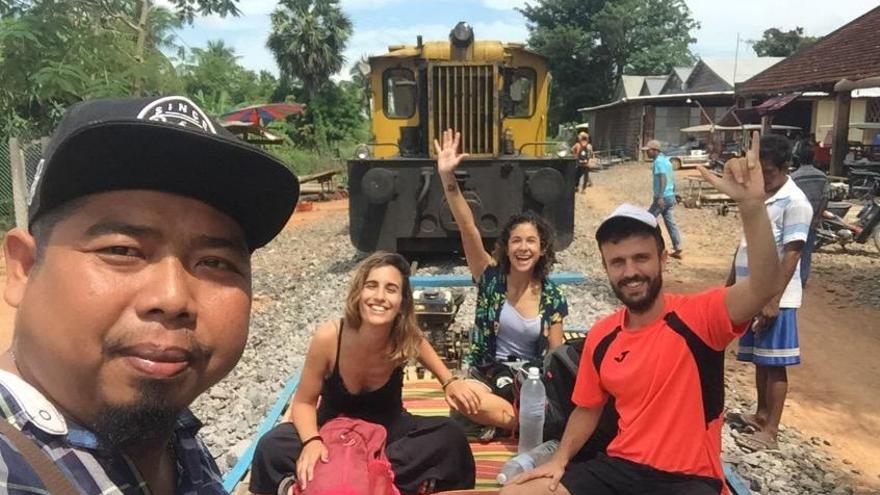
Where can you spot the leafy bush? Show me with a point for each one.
(332, 118)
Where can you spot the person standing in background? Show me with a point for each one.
(664, 193)
(772, 341)
(583, 151)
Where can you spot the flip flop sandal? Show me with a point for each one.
(286, 485)
(754, 444)
(739, 420)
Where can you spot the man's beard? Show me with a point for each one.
(149, 419)
(643, 303)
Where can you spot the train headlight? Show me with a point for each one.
(462, 34)
(362, 152)
(378, 185)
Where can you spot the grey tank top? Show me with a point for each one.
(517, 336)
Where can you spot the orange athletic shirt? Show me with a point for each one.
(655, 379)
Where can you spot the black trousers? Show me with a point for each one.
(582, 172)
(419, 448)
(605, 475)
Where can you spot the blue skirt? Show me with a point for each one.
(775, 346)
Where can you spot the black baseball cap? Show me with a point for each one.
(165, 144)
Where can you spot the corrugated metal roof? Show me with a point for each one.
(734, 71)
(653, 85)
(630, 86)
(683, 73)
(647, 99)
(851, 52)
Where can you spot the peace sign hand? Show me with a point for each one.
(742, 180)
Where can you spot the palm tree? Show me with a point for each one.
(214, 76)
(307, 39)
(216, 52)
(360, 77)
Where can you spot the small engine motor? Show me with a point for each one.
(435, 310)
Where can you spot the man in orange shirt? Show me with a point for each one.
(660, 358)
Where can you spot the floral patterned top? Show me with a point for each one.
(491, 294)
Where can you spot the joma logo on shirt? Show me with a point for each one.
(621, 357)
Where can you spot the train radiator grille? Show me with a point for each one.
(464, 97)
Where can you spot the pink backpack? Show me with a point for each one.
(357, 466)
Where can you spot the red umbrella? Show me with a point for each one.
(263, 114)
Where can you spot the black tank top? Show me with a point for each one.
(378, 406)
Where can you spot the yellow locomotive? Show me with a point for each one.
(496, 95)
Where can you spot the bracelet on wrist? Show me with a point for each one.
(316, 437)
(448, 381)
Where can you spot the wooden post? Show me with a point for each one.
(18, 173)
(839, 145)
(766, 125)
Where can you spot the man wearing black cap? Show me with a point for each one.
(660, 359)
(133, 289)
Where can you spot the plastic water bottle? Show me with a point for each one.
(532, 405)
(526, 461)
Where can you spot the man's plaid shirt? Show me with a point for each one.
(93, 468)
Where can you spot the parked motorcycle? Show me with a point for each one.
(833, 228)
(863, 183)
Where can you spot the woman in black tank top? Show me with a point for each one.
(377, 406)
(355, 366)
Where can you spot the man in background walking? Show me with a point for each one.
(664, 193)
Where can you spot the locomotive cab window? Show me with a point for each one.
(400, 93)
(519, 92)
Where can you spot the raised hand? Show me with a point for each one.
(742, 180)
(447, 159)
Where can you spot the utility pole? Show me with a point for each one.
(735, 62)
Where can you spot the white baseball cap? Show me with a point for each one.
(626, 211)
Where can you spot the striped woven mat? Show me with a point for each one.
(425, 398)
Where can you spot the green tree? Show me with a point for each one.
(219, 83)
(134, 18)
(307, 40)
(591, 43)
(139, 22)
(333, 116)
(214, 75)
(778, 43)
(264, 87)
(360, 78)
(56, 52)
(646, 36)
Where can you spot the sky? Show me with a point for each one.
(379, 23)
